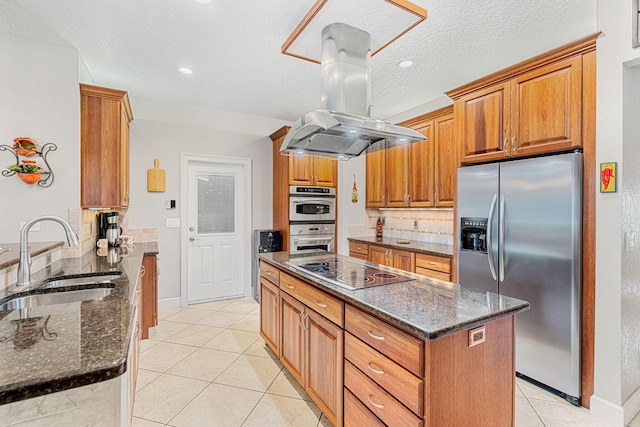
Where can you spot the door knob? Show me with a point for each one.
(191, 239)
(190, 228)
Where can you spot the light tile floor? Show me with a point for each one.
(206, 365)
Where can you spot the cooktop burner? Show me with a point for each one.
(347, 273)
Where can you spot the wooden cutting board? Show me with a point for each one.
(156, 177)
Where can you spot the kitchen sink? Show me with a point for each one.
(80, 281)
(52, 298)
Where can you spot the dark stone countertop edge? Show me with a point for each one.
(390, 317)
(11, 257)
(427, 248)
(38, 387)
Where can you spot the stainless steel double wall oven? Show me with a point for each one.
(312, 218)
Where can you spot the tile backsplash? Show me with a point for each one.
(433, 225)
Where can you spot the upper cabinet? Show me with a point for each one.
(105, 115)
(416, 175)
(531, 108)
(312, 170)
(376, 179)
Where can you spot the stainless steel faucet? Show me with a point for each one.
(24, 266)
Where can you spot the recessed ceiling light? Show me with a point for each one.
(185, 70)
(405, 64)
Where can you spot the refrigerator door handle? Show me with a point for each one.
(489, 236)
(501, 239)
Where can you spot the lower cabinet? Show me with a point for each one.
(434, 266)
(363, 371)
(270, 314)
(312, 346)
(149, 297)
(404, 260)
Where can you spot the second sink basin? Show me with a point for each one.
(52, 298)
(79, 281)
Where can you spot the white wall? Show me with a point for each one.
(350, 213)
(40, 99)
(613, 50)
(163, 131)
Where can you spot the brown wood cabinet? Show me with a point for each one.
(417, 175)
(433, 266)
(270, 314)
(536, 110)
(292, 170)
(396, 258)
(312, 342)
(385, 375)
(149, 288)
(376, 179)
(105, 115)
(359, 250)
(314, 170)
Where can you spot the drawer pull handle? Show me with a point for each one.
(291, 287)
(377, 371)
(319, 304)
(432, 263)
(377, 405)
(268, 273)
(377, 337)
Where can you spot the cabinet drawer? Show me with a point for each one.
(270, 273)
(359, 248)
(399, 382)
(432, 273)
(356, 414)
(319, 301)
(378, 401)
(397, 345)
(433, 262)
(358, 256)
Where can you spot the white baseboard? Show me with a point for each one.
(606, 411)
(168, 303)
(631, 407)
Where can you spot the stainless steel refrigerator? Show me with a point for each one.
(520, 234)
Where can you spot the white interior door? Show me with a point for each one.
(217, 231)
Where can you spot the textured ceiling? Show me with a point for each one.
(233, 47)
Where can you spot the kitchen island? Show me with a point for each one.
(73, 355)
(420, 351)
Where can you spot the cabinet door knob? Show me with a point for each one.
(513, 144)
(142, 271)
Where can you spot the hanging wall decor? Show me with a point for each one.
(608, 177)
(28, 169)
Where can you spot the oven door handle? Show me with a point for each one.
(313, 239)
(320, 201)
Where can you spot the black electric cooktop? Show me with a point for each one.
(347, 273)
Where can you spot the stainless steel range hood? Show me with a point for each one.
(343, 128)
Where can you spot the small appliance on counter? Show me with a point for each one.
(108, 227)
(263, 241)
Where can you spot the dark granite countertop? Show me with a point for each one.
(427, 308)
(12, 255)
(72, 344)
(413, 245)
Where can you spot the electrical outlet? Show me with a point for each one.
(415, 224)
(34, 227)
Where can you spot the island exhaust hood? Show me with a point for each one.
(343, 127)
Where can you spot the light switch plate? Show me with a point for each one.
(630, 241)
(173, 222)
